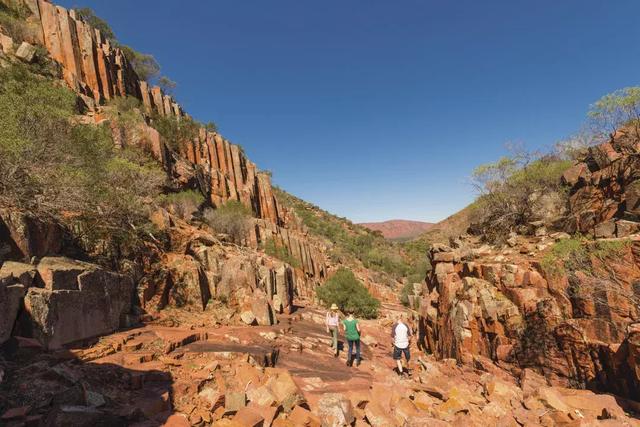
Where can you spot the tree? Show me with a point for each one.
(516, 190)
(175, 131)
(89, 16)
(70, 173)
(211, 127)
(617, 109)
(144, 64)
(345, 290)
(167, 85)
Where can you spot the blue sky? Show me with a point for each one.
(377, 109)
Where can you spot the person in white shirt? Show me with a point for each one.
(332, 321)
(401, 334)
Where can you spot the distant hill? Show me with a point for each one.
(399, 229)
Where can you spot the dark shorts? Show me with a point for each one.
(397, 353)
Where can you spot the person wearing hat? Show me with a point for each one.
(332, 321)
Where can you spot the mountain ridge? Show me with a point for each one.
(399, 229)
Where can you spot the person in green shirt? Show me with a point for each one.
(352, 334)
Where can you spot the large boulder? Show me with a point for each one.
(60, 273)
(335, 410)
(92, 303)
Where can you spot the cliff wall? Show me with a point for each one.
(100, 71)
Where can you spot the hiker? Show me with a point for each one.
(401, 334)
(332, 321)
(352, 334)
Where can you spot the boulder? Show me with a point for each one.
(263, 312)
(60, 273)
(626, 228)
(96, 307)
(605, 229)
(247, 316)
(10, 299)
(285, 390)
(377, 416)
(335, 410)
(234, 401)
(262, 396)
(300, 416)
(26, 52)
(249, 417)
(7, 44)
(23, 236)
(25, 274)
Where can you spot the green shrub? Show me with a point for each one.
(232, 219)
(167, 85)
(89, 16)
(510, 190)
(345, 290)
(576, 254)
(70, 173)
(276, 250)
(176, 131)
(211, 127)
(125, 112)
(144, 64)
(13, 21)
(183, 203)
(615, 110)
(350, 241)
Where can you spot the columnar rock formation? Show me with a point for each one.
(197, 269)
(91, 64)
(100, 71)
(95, 68)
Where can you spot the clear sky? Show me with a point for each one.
(379, 109)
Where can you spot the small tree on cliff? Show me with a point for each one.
(89, 16)
(144, 64)
(345, 290)
(515, 190)
(617, 109)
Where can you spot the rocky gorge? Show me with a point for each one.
(202, 329)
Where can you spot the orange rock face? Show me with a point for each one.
(605, 188)
(568, 326)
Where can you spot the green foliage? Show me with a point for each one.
(89, 16)
(13, 20)
(211, 127)
(516, 190)
(176, 131)
(144, 64)
(231, 218)
(577, 253)
(276, 250)
(70, 173)
(166, 84)
(616, 109)
(345, 290)
(350, 241)
(125, 111)
(183, 203)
